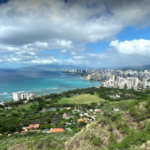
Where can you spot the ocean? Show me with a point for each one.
(38, 82)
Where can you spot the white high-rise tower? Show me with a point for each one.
(16, 97)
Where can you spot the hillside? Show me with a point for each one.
(35, 141)
(122, 130)
(92, 119)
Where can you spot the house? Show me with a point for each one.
(9, 134)
(68, 108)
(45, 130)
(97, 110)
(75, 110)
(2, 103)
(54, 130)
(117, 96)
(65, 116)
(68, 123)
(86, 114)
(81, 115)
(25, 128)
(22, 132)
(80, 120)
(117, 109)
(68, 129)
(31, 126)
(43, 110)
(86, 119)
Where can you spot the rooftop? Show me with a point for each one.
(57, 130)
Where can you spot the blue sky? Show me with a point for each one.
(83, 33)
(129, 33)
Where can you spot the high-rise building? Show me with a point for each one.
(144, 83)
(135, 81)
(30, 96)
(24, 95)
(112, 77)
(16, 97)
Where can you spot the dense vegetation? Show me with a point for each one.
(15, 115)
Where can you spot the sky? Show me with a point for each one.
(97, 33)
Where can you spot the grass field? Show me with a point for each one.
(81, 99)
(127, 101)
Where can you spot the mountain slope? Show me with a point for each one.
(122, 130)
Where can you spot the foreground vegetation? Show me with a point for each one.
(122, 130)
(36, 141)
(123, 122)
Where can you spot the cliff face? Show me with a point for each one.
(122, 130)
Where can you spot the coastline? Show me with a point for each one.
(46, 91)
(2, 102)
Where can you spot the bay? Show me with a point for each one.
(38, 82)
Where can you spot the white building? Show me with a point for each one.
(135, 82)
(16, 97)
(24, 95)
(144, 83)
(30, 96)
(112, 77)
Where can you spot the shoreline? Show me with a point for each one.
(57, 92)
(43, 88)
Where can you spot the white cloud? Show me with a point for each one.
(63, 51)
(49, 60)
(29, 27)
(24, 22)
(140, 46)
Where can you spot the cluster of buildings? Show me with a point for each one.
(97, 75)
(77, 71)
(117, 78)
(17, 96)
(134, 80)
(83, 116)
(102, 75)
(120, 82)
(36, 128)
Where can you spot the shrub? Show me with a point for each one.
(115, 116)
(112, 142)
(97, 141)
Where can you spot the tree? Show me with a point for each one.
(1, 106)
(3, 129)
(125, 87)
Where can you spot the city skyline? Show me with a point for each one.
(72, 32)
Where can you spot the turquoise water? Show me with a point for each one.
(38, 82)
